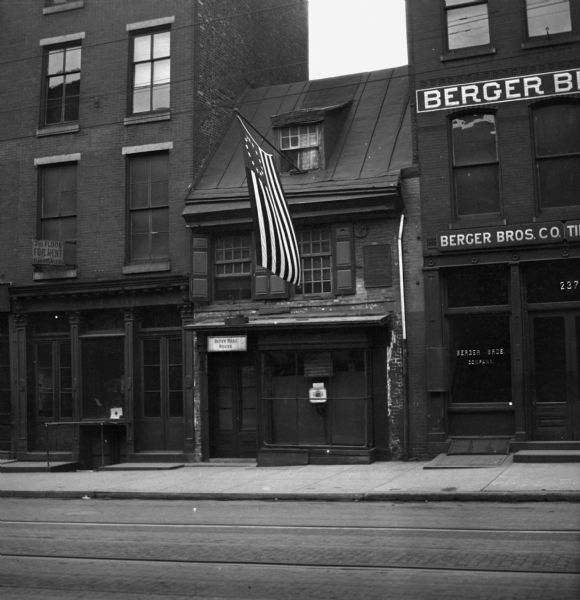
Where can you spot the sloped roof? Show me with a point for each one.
(373, 145)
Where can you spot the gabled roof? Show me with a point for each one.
(373, 145)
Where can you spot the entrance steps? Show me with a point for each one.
(546, 452)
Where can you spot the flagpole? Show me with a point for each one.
(241, 116)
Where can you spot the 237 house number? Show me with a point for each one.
(569, 285)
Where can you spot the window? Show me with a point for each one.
(557, 147)
(475, 164)
(467, 23)
(548, 17)
(58, 220)
(301, 145)
(53, 380)
(62, 84)
(149, 207)
(151, 72)
(315, 251)
(233, 267)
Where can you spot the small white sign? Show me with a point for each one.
(232, 343)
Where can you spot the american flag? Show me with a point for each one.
(277, 248)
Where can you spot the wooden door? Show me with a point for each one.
(232, 406)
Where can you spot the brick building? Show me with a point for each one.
(109, 111)
(497, 122)
(316, 372)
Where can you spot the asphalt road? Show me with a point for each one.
(73, 549)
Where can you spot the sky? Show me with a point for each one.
(354, 36)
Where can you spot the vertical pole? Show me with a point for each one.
(102, 445)
(47, 448)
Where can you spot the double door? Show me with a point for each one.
(555, 367)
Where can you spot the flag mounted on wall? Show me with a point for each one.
(276, 245)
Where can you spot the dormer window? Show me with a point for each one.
(301, 145)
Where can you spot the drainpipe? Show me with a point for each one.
(404, 341)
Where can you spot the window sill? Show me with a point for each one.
(72, 5)
(567, 38)
(150, 267)
(147, 118)
(482, 407)
(62, 274)
(467, 53)
(57, 130)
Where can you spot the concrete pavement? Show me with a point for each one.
(381, 481)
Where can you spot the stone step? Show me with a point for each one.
(547, 456)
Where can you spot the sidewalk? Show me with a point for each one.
(380, 481)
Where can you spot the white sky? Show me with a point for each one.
(354, 36)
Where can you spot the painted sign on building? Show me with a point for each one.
(493, 91)
(508, 235)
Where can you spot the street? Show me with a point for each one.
(280, 550)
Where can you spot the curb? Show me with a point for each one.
(505, 497)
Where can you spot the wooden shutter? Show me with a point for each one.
(344, 275)
(200, 274)
(267, 285)
(378, 264)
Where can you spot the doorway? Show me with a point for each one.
(233, 403)
(160, 423)
(555, 365)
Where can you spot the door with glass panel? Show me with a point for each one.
(160, 425)
(555, 362)
(232, 405)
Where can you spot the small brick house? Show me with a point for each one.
(315, 373)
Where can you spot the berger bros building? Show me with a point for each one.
(497, 99)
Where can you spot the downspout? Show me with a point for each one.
(404, 340)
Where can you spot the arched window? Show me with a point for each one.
(557, 148)
(475, 164)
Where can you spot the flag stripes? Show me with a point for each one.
(276, 245)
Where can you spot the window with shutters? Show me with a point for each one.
(316, 254)
(233, 267)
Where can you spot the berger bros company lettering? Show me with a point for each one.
(516, 235)
(508, 89)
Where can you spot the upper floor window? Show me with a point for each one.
(58, 207)
(62, 84)
(557, 148)
(467, 23)
(149, 206)
(151, 72)
(475, 164)
(301, 145)
(548, 17)
(316, 254)
(233, 267)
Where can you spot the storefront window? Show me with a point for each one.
(290, 377)
(480, 358)
(478, 286)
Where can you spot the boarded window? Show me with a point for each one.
(378, 266)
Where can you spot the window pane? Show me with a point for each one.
(548, 17)
(142, 75)
(159, 193)
(161, 71)
(160, 98)
(142, 48)
(160, 245)
(553, 281)
(477, 190)
(557, 129)
(467, 26)
(477, 286)
(73, 59)
(161, 44)
(480, 358)
(140, 222)
(474, 139)
(55, 62)
(141, 100)
(559, 181)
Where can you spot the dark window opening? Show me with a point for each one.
(486, 285)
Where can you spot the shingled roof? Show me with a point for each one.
(362, 170)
